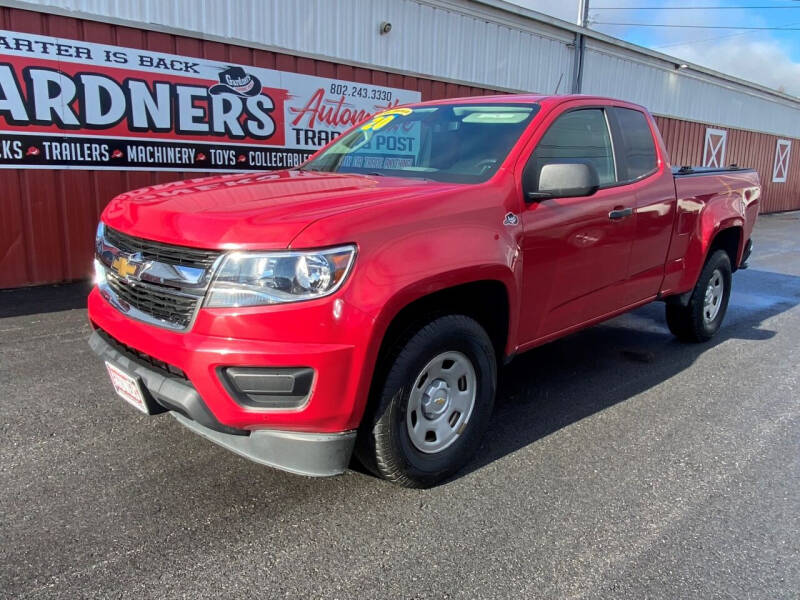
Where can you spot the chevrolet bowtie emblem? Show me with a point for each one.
(122, 266)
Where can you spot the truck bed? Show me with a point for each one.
(708, 200)
(689, 170)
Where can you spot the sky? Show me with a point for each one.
(769, 58)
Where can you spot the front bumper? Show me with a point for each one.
(310, 335)
(314, 454)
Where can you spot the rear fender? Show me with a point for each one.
(708, 204)
(712, 221)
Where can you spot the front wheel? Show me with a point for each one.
(700, 319)
(434, 404)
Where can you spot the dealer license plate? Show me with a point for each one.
(127, 387)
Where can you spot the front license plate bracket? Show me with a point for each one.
(131, 389)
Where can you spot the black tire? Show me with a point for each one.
(385, 445)
(688, 323)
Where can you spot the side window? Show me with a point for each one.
(637, 153)
(578, 135)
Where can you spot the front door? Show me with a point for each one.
(576, 251)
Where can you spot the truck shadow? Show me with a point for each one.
(19, 302)
(556, 385)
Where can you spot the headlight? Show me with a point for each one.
(99, 273)
(252, 279)
(99, 236)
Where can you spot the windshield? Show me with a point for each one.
(461, 143)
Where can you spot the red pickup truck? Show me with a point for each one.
(363, 302)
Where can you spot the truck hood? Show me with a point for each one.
(250, 211)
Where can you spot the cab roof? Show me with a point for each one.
(524, 99)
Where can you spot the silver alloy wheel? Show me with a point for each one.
(713, 297)
(441, 402)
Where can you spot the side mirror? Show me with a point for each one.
(564, 180)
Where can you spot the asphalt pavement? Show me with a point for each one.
(619, 464)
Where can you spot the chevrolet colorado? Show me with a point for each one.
(363, 302)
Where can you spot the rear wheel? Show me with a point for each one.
(700, 319)
(434, 404)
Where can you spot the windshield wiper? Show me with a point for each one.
(375, 173)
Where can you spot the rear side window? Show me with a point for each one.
(637, 154)
(578, 135)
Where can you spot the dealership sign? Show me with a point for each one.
(70, 104)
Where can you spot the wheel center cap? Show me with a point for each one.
(436, 399)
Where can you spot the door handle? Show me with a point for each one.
(620, 213)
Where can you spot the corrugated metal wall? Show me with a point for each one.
(48, 217)
(485, 43)
(685, 94)
(445, 39)
(685, 139)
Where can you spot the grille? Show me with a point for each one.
(161, 302)
(166, 253)
(138, 356)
